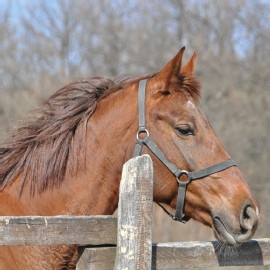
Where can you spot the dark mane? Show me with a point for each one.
(49, 146)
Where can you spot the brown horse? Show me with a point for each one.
(68, 160)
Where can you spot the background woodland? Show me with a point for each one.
(46, 44)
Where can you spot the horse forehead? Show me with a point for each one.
(193, 109)
(190, 104)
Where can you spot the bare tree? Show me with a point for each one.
(52, 42)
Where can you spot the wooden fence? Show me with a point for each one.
(126, 242)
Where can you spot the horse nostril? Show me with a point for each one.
(248, 219)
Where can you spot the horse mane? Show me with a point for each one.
(48, 146)
(43, 150)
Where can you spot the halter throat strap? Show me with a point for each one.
(144, 139)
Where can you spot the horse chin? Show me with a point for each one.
(223, 234)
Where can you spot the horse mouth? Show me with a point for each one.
(223, 234)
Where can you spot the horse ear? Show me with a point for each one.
(171, 69)
(189, 67)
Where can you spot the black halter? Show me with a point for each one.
(190, 176)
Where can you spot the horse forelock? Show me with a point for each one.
(187, 83)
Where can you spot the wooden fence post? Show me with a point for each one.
(134, 237)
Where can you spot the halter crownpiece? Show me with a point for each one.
(178, 173)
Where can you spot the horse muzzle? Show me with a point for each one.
(248, 222)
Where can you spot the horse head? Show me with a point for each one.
(179, 129)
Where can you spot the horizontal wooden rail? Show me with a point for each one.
(101, 230)
(37, 230)
(186, 255)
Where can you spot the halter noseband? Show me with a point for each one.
(190, 176)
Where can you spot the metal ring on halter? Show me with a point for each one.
(186, 173)
(142, 131)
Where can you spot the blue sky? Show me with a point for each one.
(19, 8)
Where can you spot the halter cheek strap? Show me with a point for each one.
(144, 139)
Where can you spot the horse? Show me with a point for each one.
(67, 160)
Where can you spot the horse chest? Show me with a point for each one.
(41, 258)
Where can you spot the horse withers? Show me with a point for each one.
(68, 160)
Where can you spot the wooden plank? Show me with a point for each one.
(37, 230)
(188, 255)
(134, 236)
(96, 258)
(210, 254)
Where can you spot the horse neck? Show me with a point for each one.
(95, 189)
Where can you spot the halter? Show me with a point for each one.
(178, 173)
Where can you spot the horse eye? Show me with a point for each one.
(185, 130)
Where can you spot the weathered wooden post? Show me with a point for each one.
(134, 237)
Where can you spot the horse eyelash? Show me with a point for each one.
(166, 93)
